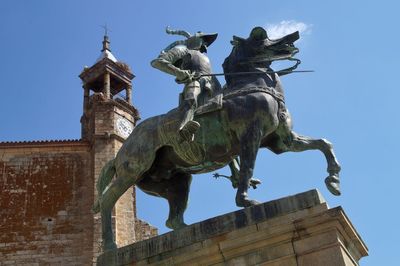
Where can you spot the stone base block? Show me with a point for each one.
(295, 230)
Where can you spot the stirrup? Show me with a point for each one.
(188, 130)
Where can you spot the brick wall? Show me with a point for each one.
(144, 230)
(45, 204)
(48, 189)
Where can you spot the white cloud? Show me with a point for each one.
(285, 27)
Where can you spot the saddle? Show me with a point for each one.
(213, 104)
(192, 152)
(216, 103)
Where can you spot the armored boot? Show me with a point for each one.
(188, 127)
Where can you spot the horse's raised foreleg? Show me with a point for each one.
(302, 143)
(250, 144)
(297, 143)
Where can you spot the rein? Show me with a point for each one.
(279, 72)
(241, 92)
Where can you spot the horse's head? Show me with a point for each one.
(258, 51)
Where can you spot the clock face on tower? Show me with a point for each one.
(124, 127)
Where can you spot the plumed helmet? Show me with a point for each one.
(208, 38)
(196, 41)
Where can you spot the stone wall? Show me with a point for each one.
(45, 202)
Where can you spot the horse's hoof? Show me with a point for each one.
(333, 184)
(174, 225)
(249, 203)
(252, 203)
(245, 202)
(110, 246)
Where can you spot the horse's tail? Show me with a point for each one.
(106, 175)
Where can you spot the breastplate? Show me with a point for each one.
(196, 61)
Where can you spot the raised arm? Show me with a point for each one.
(169, 62)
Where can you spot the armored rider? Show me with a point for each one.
(187, 60)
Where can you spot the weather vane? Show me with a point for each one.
(106, 29)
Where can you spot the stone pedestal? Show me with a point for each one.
(295, 230)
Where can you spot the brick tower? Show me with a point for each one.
(108, 119)
(48, 187)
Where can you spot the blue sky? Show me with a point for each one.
(351, 99)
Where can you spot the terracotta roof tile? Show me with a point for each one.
(34, 142)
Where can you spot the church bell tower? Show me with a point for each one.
(108, 119)
(107, 83)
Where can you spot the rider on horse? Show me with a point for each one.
(187, 60)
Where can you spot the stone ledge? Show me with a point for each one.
(295, 230)
(164, 245)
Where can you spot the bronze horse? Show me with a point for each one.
(253, 115)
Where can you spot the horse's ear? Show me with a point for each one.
(236, 40)
(258, 33)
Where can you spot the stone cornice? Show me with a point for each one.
(44, 143)
(90, 74)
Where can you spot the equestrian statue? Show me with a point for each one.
(212, 127)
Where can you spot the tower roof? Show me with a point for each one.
(106, 51)
(119, 74)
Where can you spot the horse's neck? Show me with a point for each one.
(242, 81)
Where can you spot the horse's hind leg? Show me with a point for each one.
(297, 143)
(250, 143)
(175, 190)
(108, 200)
(177, 199)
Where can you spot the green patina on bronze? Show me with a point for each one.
(212, 127)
